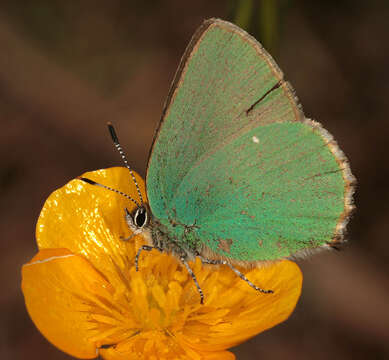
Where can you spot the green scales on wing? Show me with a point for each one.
(235, 156)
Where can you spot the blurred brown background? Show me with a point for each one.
(66, 68)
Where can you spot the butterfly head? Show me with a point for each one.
(139, 219)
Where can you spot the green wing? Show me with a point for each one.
(235, 155)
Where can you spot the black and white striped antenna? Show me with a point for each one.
(123, 155)
(92, 182)
(115, 140)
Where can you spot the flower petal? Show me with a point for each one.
(145, 347)
(56, 285)
(89, 220)
(248, 311)
(152, 313)
(219, 355)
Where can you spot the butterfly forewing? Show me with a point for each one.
(222, 74)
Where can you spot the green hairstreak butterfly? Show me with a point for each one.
(237, 175)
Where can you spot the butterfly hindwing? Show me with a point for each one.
(235, 156)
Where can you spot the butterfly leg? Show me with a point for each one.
(146, 248)
(128, 238)
(236, 271)
(190, 271)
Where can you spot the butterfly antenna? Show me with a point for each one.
(91, 182)
(115, 140)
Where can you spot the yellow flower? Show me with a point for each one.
(84, 295)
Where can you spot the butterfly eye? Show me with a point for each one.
(140, 217)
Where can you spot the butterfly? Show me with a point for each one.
(237, 175)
